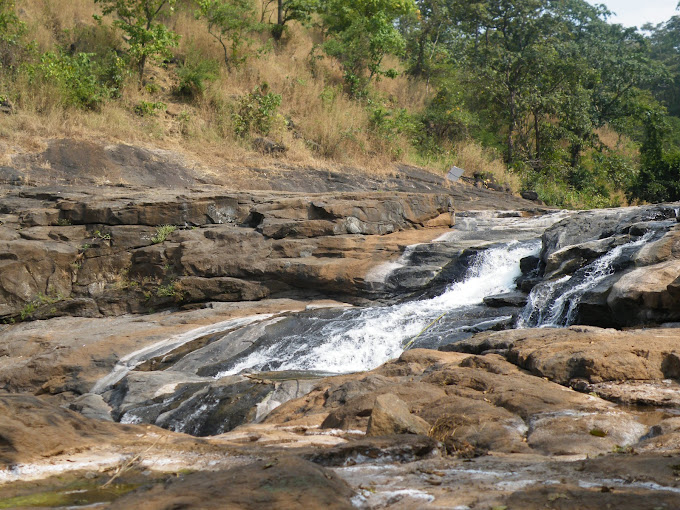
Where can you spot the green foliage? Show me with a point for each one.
(170, 290)
(145, 36)
(446, 118)
(256, 111)
(659, 176)
(12, 32)
(361, 34)
(37, 302)
(228, 23)
(82, 81)
(286, 11)
(389, 125)
(193, 75)
(162, 232)
(149, 108)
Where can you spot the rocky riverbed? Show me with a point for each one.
(145, 333)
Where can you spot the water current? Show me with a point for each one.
(361, 339)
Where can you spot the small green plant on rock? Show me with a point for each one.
(170, 290)
(101, 235)
(162, 232)
(40, 300)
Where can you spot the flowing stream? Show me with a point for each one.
(554, 303)
(361, 339)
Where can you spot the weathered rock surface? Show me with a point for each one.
(472, 403)
(107, 253)
(390, 415)
(537, 431)
(583, 353)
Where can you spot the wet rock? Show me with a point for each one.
(529, 264)
(390, 415)
(395, 448)
(567, 260)
(529, 195)
(515, 299)
(589, 226)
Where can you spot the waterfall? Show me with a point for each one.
(358, 340)
(554, 303)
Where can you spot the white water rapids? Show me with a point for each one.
(358, 341)
(554, 303)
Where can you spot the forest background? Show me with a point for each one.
(540, 95)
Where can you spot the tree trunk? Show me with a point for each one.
(537, 134)
(575, 154)
(140, 68)
(277, 31)
(511, 128)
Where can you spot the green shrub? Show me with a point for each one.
(162, 232)
(390, 126)
(147, 108)
(256, 111)
(12, 32)
(82, 81)
(193, 75)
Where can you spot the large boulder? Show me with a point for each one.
(647, 294)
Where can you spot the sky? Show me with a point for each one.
(635, 13)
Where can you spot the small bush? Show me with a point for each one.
(392, 128)
(256, 111)
(147, 108)
(12, 32)
(82, 81)
(193, 75)
(162, 232)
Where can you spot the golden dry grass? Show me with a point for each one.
(329, 130)
(473, 158)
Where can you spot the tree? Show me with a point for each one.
(146, 37)
(287, 10)
(12, 31)
(665, 47)
(659, 176)
(431, 38)
(361, 34)
(227, 20)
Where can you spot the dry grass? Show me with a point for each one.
(328, 129)
(473, 158)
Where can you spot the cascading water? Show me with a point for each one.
(555, 303)
(357, 340)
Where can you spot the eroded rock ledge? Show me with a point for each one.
(101, 252)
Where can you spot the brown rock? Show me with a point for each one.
(282, 483)
(391, 415)
(643, 294)
(585, 353)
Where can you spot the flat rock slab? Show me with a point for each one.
(584, 353)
